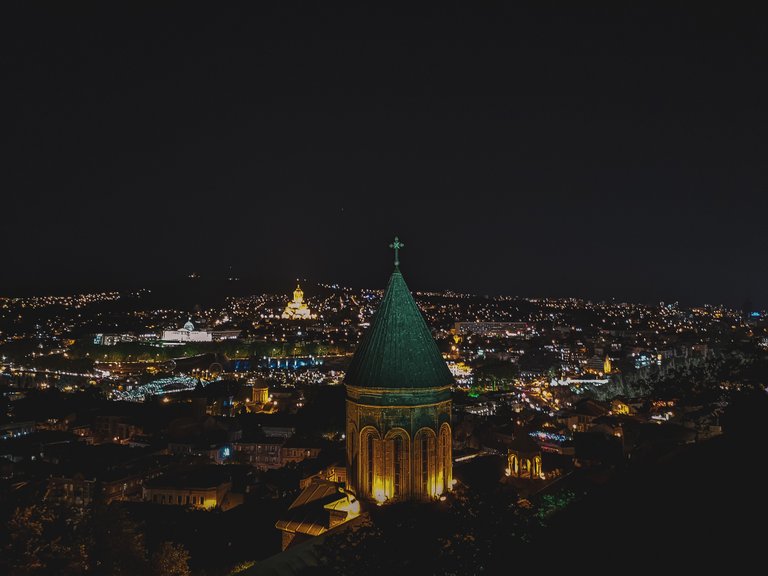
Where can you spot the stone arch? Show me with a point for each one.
(352, 443)
(370, 463)
(424, 464)
(536, 472)
(444, 459)
(524, 464)
(514, 464)
(397, 463)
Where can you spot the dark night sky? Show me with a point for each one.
(552, 150)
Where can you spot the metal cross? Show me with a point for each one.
(396, 245)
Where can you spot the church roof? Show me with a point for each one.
(523, 443)
(397, 350)
(307, 514)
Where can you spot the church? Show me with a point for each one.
(297, 309)
(398, 429)
(398, 413)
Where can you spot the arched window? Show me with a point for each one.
(445, 462)
(351, 443)
(369, 461)
(398, 463)
(424, 463)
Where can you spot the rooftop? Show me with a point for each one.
(307, 513)
(397, 350)
(204, 477)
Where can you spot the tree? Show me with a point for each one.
(472, 531)
(42, 539)
(744, 418)
(170, 559)
(117, 543)
(55, 540)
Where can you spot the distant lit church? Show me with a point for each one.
(398, 405)
(297, 309)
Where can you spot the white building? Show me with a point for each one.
(187, 333)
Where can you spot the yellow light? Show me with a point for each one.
(354, 508)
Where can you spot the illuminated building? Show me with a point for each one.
(398, 405)
(113, 339)
(607, 368)
(595, 365)
(83, 491)
(260, 401)
(260, 393)
(269, 453)
(297, 309)
(620, 407)
(321, 506)
(495, 329)
(461, 372)
(263, 454)
(207, 488)
(186, 333)
(524, 458)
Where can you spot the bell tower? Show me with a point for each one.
(398, 404)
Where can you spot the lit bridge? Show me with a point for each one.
(159, 387)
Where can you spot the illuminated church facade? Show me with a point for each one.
(398, 412)
(297, 309)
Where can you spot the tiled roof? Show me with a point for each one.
(397, 350)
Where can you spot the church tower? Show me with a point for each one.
(398, 404)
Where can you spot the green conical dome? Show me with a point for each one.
(398, 350)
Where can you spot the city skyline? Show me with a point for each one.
(608, 154)
(252, 437)
(300, 288)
